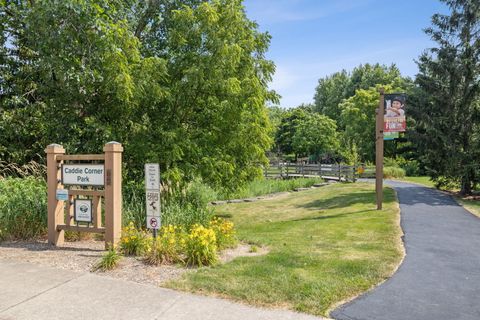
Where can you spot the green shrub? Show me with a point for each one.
(167, 247)
(133, 241)
(393, 172)
(201, 247)
(23, 208)
(224, 233)
(109, 260)
(412, 168)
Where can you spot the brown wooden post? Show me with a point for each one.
(113, 192)
(379, 151)
(97, 211)
(55, 207)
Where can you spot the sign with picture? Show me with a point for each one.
(83, 210)
(394, 120)
(152, 195)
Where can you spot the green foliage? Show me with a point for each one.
(393, 172)
(183, 83)
(109, 260)
(134, 242)
(306, 133)
(183, 208)
(315, 136)
(167, 247)
(358, 119)
(200, 247)
(23, 208)
(333, 89)
(447, 104)
(224, 233)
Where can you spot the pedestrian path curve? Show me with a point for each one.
(440, 275)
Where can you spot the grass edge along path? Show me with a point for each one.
(326, 245)
(471, 205)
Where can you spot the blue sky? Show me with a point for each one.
(314, 38)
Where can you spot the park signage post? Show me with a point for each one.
(152, 196)
(379, 151)
(76, 190)
(390, 120)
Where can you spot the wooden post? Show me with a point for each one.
(113, 192)
(55, 207)
(379, 150)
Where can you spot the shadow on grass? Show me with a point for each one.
(336, 216)
(346, 200)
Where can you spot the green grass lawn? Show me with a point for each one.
(326, 245)
(420, 180)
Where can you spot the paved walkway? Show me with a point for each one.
(440, 276)
(30, 291)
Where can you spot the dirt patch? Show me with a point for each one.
(82, 256)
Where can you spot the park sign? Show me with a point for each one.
(152, 196)
(83, 174)
(394, 119)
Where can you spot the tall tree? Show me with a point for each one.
(333, 89)
(447, 108)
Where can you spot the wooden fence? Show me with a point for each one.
(338, 172)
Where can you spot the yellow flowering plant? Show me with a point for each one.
(200, 246)
(167, 246)
(224, 233)
(133, 241)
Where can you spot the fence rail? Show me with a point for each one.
(338, 172)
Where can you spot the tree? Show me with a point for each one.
(358, 119)
(315, 136)
(332, 90)
(447, 109)
(287, 128)
(179, 82)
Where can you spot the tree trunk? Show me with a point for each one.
(466, 188)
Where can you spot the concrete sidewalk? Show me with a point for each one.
(30, 291)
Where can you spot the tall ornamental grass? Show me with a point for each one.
(23, 208)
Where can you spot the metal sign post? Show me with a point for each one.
(152, 196)
(379, 151)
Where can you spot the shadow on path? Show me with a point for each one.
(439, 278)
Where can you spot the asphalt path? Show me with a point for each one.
(440, 275)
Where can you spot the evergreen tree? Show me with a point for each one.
(447, 108)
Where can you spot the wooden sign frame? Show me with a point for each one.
(60, 213)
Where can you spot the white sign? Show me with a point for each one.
(83, 174)
(83, 210)
(152, 176)
(153, 203)
(153, 222)
(62, 194)
(153, 209)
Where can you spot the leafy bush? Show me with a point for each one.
(167, 247)
(393, 172)
(23, 208)
(109, 260)
(134, 242)
(224, 233)
(200, 247)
